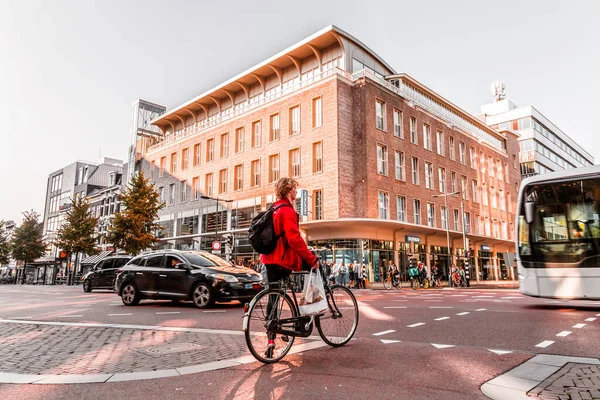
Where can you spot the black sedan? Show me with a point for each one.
(102, 275)
(196, 276)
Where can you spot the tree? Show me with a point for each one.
(76, 235)
(132, 229)
(27, 244)
(4, 244)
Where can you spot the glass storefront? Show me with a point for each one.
(504, 272)
(439, 256)
(486, 266)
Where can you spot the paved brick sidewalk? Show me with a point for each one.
(573, 381)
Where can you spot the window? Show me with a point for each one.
(488, 231)
(399, 161)
(184, 159)
(255, 173)
(317, 157)
(417, 211)
(183, 191)
(383, 205)
(502, 200)
(511, 231)
(398, 124)
(317, 116)
(504, 230)
(318, 201)
(256, 128)
(415, 171)
(239, 139)
(428, 175)
(382, 159)
(514, 161)
(223, 181)
(401, 208)
(442, 179)
(238, 177)
(474, 191)
(413, 131)
(509, 201)
(295, 120)
(171, 194)
(273, 168)
(467, 222)
(453, 183)
(196, 188)
(294, 159)
(472, 158)
(163, 167)
(499, 169)
(491, 166)
(496, 231)
(484, 194)
(161, 194)
(455, 219)
(493, 200)
(427, 137)
(225, 145)
(208, 184)
(380, 115)
(451, 147)
(439, 136)
(173, 163)
(506, 173)
(210, 150)
(444, 216)
(478, 225)
(196, 154)
(430, 215)
(464, 187)
(461, 152)
(274, 128)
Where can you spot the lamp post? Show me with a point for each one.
(445, 196)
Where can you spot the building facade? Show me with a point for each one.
(543, 146)
(389, 170)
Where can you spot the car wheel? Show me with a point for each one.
(87, 286)
(130, 295)
(202, 296)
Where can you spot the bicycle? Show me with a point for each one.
(274, 311)
(392, 280)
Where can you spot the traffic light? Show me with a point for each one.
(229, 240)
(365, 245)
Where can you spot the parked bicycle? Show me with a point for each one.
(275, 310)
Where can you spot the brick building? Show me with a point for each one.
(370, 147)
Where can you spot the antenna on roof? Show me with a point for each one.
(498, 89)
(100, 154)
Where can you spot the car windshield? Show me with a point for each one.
(205, 260)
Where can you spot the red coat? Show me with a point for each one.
(291, 249)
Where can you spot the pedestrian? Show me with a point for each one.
(360, 279)
(335, 271)
(351, 275)
(342, 275)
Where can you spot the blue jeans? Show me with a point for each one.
(343, 279)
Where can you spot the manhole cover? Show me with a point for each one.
(171, 348)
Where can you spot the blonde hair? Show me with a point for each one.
(285, 186)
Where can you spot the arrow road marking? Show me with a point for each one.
(415, 325)
(384, 332)
(544, 344)
(578, 326)
(389, 341)
(500, 352)
(564, 333)
(442, 346)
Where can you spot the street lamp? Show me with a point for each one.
(445, 196)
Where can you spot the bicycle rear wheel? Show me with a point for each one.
(340, 321)
(260, 314)
(414, 283)
(397, 284)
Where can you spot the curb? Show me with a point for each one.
(516, 383)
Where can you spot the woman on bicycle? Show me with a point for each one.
(291, 253)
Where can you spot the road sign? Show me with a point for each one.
(304, 202)
(216, 245)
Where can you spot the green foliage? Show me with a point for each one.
(76, 235)
(132, 229)
(27, 244)
(4, 244)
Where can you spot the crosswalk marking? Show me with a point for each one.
(544, 344)
(578, 326)
(564, 333)
(590, 319)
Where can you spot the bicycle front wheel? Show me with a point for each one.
(387, 283)
(340, 321)
(414, 283)
(398, 284)
(268, 306)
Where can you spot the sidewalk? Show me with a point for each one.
(548, 377)
(474, 285)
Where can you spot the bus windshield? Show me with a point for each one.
(565, 227)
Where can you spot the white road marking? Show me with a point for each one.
(544, 344)
(118, 315)
(439, 307)
(564, 333)
(511, 297)
(384, 332)
(590, 319)
(433, 300)
(395, 307)
(500, 352)
(481, 309)
(19, 317)
(441, 319)
(69, 316)
(168, 312)
(213, 311)
(578, 326)
(458, 295)
(389, 341)
(442, 346)
(597, 315)
(463, 313)
(415, 325)
(481, 297)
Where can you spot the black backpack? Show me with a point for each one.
(262, 232)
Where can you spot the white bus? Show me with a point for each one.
(558, 234)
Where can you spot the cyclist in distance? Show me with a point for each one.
(291, 253)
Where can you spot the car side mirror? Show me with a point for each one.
(529, 212)
(181, 266)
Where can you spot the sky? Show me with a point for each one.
(70, 70)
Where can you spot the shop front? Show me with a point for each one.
(485, 264)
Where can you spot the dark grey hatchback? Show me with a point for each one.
(102, 275)
(196, 276)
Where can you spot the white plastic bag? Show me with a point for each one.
(313, 296)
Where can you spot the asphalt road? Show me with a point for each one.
(410, 344)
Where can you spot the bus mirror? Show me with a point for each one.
(529, 212)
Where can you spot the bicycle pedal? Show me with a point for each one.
(285, 338)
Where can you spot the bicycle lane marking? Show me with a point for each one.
(384, 332)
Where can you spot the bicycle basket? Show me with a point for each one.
(412, 272)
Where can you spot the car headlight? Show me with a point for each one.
(225, 277)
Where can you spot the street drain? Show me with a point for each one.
(170, 348)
